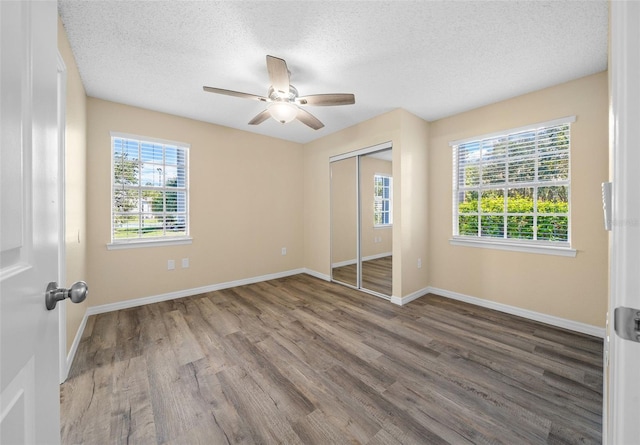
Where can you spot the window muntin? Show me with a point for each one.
(150, 189)
(514, 186)
(382, 200)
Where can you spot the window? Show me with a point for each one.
(150, 190)
(514, 187)
(382, 203)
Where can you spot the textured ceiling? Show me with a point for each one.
(432, 58)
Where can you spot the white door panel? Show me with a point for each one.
(12, 64)
(18, 412)
(29, 214)
(622, 384)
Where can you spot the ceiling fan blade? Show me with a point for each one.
(309, 119)
(260, 117)
(235, 94)
(278, 74)
(327, 99)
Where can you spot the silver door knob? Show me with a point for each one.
(76, 293)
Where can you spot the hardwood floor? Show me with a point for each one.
(302, 361)
(376, 274)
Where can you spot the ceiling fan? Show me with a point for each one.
(283, 99)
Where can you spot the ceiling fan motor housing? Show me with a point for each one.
(277, 96)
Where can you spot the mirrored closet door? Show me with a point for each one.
(344, 222)
(362, 219)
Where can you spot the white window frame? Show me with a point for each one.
(166, 239)
(503, 243)
(381, 199)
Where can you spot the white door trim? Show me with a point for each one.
(62, 265)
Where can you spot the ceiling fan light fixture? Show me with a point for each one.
(283, 112)
(283, 100)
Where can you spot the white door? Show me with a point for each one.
(29, 381)
(622, 384)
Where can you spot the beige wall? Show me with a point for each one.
(411, 188)
(245, 205)
(75, 184)
(570, 288)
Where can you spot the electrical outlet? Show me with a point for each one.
(185, 263)
(284, 251)
(171, 264)
(419, 263)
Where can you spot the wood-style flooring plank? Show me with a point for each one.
(288, 398)
(264, 421)
(132, 418)
(301, 360)
(183, 342)
(348, 418)
(86, 402)
(379, 408)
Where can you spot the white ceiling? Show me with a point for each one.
(432, 58)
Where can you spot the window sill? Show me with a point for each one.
(514, 246)
(134, 244)
(382, 226)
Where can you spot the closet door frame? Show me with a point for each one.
(355, 154)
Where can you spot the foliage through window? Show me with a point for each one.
(150, 189)
(382, 200)
(514, 186)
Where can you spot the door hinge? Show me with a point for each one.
(627, 323)
(607, 204)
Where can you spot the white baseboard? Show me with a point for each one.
(74, 346)
(376, 256)
(525, 313)
(366, 258)
(187, 292)
(313, 273)
(400, 301)
(343, 263)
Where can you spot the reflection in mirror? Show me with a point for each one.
(376, 219)
(344, 221)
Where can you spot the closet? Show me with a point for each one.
(362, 219)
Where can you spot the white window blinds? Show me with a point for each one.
(150, 189)
(382, 200)
(514, 186)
